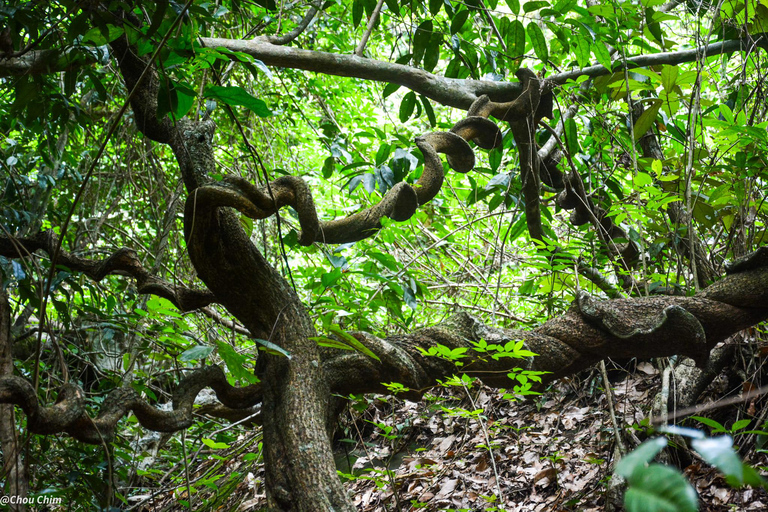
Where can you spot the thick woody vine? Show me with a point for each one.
(591, 330)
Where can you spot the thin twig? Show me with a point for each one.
(369, 29)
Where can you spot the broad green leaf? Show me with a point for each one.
(174, 98)
(458, 21)
(653, 25)
(100, 37)
(389, 89)
(641, 456)
(571, 137)
(646, 120)
(563, 7)
(357, 12)
(324, 341)
(407, 105)
(514, 6)
(658, 488)
(352, 341)
(516, 39)
(669, 77)
(537, 40)
(581, 49)
(601, 54)
(195, 353)
(236, 363)
(420, 40)
(643, 180)
(716, 427)
(237, 96)
(432, 53)
(157, 17)
(534, 6)
(719, 452)
(435, 6)
(517, 228)
(246, 223)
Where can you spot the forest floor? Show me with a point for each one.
(472, 449)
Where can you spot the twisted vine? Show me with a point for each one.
(403, 199)
(68, 414)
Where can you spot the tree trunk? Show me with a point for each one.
(14, 472)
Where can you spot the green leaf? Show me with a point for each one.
(420, 40)
(235, 362)
(328, 280)
(237, 96)
(324, 341)
(654, 27)
(210, 443)
(352, 342)
(643, 180)
(534, 6)
(669, 77)
(572, 137)
(719, 452)
(429, 111)
(658, 488)
(514, 6)
(646, 120)
(641, 456)
(432, 53)
(517, 228)
(537, 40)
(389, 89)
(101, 36)
(601, 54)
(272, 348)
(247, 224)
(393, 6)
(175, 98)
(195, 353)
(357, 12)
(157, 17)
(516, 39)
(406, 106)
(435, 6)
(459, 20)
(581, 49)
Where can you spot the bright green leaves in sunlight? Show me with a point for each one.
(237, 96)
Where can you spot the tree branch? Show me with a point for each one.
(39, 62)
(122, 262)
(297, 30)
(450, 91)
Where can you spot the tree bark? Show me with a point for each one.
(14, 471)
